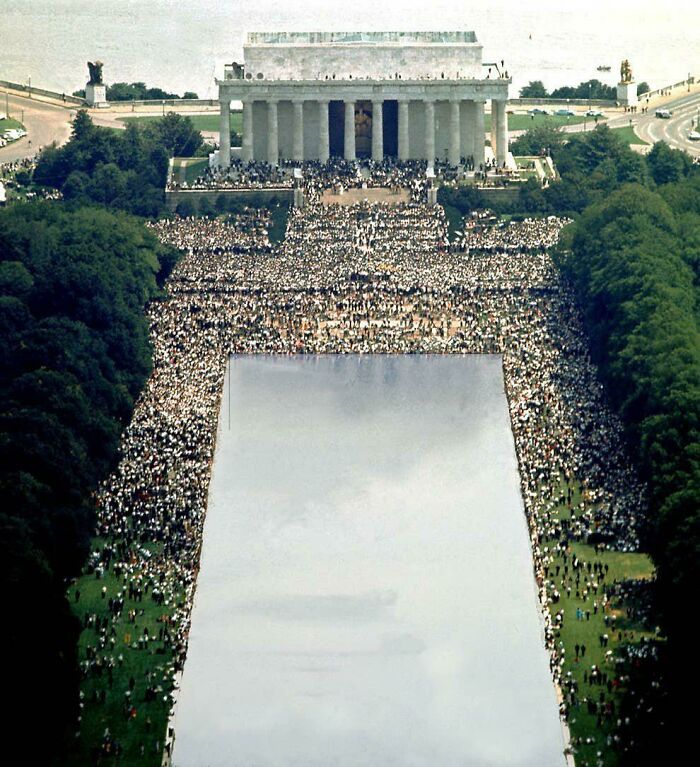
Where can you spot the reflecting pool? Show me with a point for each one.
(366, 595)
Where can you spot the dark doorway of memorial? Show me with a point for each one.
(336, 128)
(391, 128)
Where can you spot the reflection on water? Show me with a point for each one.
(366, 594)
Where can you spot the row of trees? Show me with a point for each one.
(74, 356)
(591, 89)
(138, 92)
(634, 259)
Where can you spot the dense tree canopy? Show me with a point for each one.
(120, 169)
(591, 89)
(138, 92)
(633, 258)
(73, 358)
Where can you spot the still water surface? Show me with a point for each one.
(366, 594)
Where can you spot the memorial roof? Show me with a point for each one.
(320, 38)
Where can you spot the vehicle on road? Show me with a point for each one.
(663, 114)
(694, 135)
(538, 111)
(594, 113)
(565, 113)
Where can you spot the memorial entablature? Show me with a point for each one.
(412, 95)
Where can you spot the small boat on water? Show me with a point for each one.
(603, 68)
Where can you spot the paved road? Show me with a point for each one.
(44, 122)
(674, 131)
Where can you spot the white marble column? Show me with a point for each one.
(349, 130)
(502, 132)
(247, 142)
(273, 149)
(467, 129)
(403, 130)
(298, 140)
(429, 132)
(494, 125)
(378, 131)
(479, 131)
(324, 149)
(224, 134)
(455, 135)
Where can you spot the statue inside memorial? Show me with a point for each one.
(237, 71)
(95, 72)
(625, 72)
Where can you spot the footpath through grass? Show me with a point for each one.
(189, 169)
(126, 694)
(592, 634)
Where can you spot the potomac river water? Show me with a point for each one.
(181, 46)
(366, 594)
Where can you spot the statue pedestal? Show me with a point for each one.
(627, 94)
(96, 95)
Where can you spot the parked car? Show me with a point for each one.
(565, 113)
(663, 114)
(694, 135)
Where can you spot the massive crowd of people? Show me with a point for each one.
(367, 278)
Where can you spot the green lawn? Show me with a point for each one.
(193, 168)
(622, 566)
(208, 122)
(518, 122)
(628, 135)
(9, 124)
(147, 728)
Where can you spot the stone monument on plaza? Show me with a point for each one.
(95, 89)
(627, 88)
(409, 95)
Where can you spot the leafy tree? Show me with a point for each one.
(668, 165)
(541, 139)
(125, 169)
(633, 258)
(73, 359)
(176, 134)
(534, 90)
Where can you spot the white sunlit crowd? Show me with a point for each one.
(367, 278)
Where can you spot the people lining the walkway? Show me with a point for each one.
(365, 278)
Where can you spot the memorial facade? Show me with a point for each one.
(412, 95)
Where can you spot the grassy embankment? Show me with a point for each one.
(189, 168)
(10, 124)
(620, 630)
(147, 727)
(628, 135)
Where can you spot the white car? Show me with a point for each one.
(593, 113)
(694, 135)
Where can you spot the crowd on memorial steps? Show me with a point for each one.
(369, 278)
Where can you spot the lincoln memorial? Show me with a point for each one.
(411, 95)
